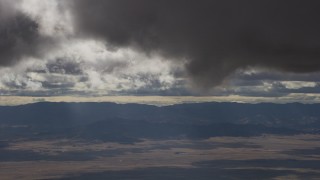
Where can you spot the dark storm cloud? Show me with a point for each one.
(19, 35)
(217, 37)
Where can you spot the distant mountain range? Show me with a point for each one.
(131, 122)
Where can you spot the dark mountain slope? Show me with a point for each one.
(131, 122)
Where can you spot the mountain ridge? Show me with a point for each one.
(131, 122)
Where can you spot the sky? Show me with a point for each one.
(215, 49)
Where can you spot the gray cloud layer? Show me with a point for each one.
(253, 48)
(217, 37)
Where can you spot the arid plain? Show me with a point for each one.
(67, 158)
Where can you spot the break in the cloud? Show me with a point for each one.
(267, 83)
(151, 47)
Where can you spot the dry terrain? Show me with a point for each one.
(54, 159)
